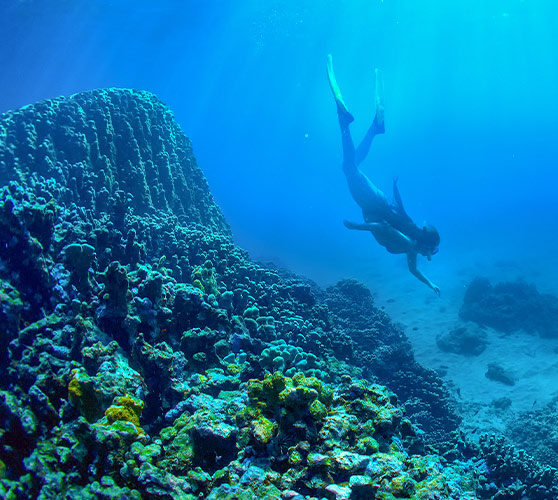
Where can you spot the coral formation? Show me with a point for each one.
(528, 427)
(144, 355)
(511, 306)
(517, 473)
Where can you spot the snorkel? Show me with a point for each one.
(429, 241)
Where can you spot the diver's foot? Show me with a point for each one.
(344, 116)
(378, 123)
(342, 109)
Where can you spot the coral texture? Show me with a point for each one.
(109, 151)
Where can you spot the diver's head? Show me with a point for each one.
(428, 241)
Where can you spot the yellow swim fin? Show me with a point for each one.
(379, 100)
(335, 88)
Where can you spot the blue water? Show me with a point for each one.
(471, 90)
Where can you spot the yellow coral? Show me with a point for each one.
(235, 369)
(126, 409)
(263, 429)
(75, 391)
(83, 395)
(198, 284)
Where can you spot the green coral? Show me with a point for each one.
(318, 410)
(276, 403)
(402, 486)
(198, 284)
(11, 306)
(325, 392)
(263, 429)
(367, 446)
(295, 397)
(235, 368)
(179, 445)
(265, 394)
(374, 403)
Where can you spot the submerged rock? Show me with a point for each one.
(511, 306)
(499, 374)
(466, 340)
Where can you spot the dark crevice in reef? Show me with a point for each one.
(143, 354)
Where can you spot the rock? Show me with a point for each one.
(336, 492)
(318, 461)
(112, 139)
(466, 340)
(362, 488)
(347, 463)
(499, 374)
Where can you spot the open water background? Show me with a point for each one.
(471, 90)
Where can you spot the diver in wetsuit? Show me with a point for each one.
(389, 224)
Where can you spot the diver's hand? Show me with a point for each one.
(349, 224)
(435, 288)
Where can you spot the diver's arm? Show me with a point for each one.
(393, 240)
(412, 261)
(380, 226)
(367, 226)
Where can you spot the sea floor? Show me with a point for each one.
(532, 360)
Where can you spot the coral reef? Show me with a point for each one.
(109, 151)
(535, 431)
(369, 339)
(510, 306)
(144, 355)
(517, 474)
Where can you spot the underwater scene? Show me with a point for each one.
(278, 249)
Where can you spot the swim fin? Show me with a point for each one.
(341, 106)
(379, 102)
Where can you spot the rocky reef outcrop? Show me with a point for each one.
(464, 339)
(108, 151)
(511, 306)
(144, 355)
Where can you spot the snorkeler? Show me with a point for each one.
(389, 224)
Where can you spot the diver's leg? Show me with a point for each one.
(362, 190)
(360, 187)
(364, 146)
(346, 141)
(378, 126)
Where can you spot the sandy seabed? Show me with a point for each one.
(532, 360)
